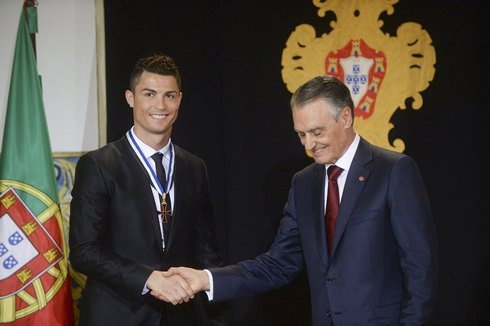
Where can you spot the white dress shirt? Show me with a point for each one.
(344, 162)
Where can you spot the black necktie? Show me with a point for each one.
(157, 157)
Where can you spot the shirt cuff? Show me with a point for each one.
(145, 290)
(210, 293)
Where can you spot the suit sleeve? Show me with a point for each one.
(91, 251)
(279, 266)
(414, 231)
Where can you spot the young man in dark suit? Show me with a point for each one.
(140, 206)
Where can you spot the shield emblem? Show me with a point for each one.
(362, 69)
(27, 250)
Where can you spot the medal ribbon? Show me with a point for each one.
(150, 169)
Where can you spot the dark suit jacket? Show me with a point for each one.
(383, 268)
(115, 237)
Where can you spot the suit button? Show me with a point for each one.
(329, 280)
(329, 314)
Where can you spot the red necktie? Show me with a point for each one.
(333, 203)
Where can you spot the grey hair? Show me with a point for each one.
(328, 88)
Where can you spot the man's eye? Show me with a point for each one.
(149, 94)
(170, 96)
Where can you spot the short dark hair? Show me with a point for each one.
(160, 64)
(328, 88)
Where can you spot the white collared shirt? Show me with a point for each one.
(344, 162)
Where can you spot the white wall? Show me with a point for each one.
(67, 63)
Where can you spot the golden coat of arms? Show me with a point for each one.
(381, 70)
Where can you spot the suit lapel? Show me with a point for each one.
(356, 179)
(143, 182)
(317, 214)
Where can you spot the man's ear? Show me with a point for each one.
(180, 98)
(346, 117)
(129, 98)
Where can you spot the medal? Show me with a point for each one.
(164, 211)
(156, 184)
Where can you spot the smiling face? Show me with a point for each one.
(320, 134)
(155, 104)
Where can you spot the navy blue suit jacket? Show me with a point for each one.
(383, 267)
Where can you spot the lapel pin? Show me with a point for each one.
(361, 178)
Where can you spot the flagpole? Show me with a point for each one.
(27, 4)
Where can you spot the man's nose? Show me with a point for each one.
(161, 103)
(309, 142)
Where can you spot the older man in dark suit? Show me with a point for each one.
(359, 218)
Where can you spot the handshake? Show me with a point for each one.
(178, 284)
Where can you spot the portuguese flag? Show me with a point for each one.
(34, 281)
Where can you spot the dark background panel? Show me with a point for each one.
(235, 115)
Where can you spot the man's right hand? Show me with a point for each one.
(169, 288)
(197, 279)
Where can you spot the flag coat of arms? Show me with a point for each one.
(34, 281)
(362, 70)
